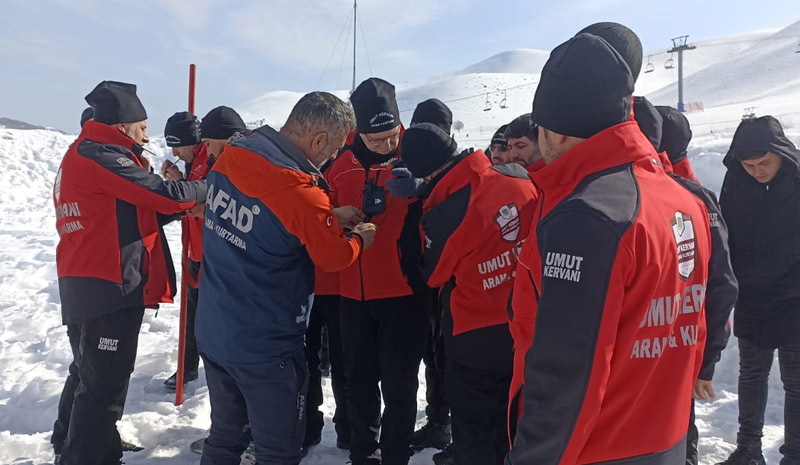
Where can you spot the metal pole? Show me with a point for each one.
(184, 273)
(679, 45)
(355, 32)
(680, 82)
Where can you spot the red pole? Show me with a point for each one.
(192, 72)
(184, 272)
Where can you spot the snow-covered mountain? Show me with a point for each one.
(727, 74)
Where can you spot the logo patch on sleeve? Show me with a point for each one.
(508, 220)
(683, 231)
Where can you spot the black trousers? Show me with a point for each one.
(191, 358)
(104, 352)
(325, 313)
(437, 409)
(692, 439)
(479, 407)
(383, 343)
(269, 397)
(754, 367)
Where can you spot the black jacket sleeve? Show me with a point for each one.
(439, 224)
(117, 175)
(722, 289)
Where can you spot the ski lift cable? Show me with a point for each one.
(344, 52)
(720, 43)
(333, 51)
(482, 94)
(364, 40)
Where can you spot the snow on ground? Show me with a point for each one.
(34, 351)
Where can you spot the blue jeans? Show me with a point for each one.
(754, 367)
(270, 397)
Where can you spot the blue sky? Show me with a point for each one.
(53, 52)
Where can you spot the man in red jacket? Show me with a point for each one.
(523, 143)
(475, 219)
(608, 302)
(113, 261)
(383, 314)
(182, 134)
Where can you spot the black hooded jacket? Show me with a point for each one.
(764, 226)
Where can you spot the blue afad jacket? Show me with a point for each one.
(268, 221)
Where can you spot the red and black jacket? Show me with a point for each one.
(197, 171)
(390, 267)
(475, 219)
(112, 253)
(608, 322)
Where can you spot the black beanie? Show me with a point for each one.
(755, 137)
(87, 114)
(499, 136)
(221, 123)
(584, 89)
(433, 111)
(624, 41)
(182, 129)
(649, 119)
(116, 102)
(426, 148)
(676, 133)
(375, 106)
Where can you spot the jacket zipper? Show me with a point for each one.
(360, 267)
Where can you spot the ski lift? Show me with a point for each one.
(670, 63)
(488, 105)
(504, 100)
(797, 50)
(649, 68)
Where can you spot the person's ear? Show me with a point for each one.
(319, 141)
(120, 127)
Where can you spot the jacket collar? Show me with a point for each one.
(265, 140)
(105, 134)
(617, 145)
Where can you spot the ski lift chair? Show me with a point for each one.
(670, 63)
(504, 101)
(488, 105)
(649, 68)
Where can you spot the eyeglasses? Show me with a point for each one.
(383, 140)
(500, 148)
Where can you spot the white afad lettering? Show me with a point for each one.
(241, 217)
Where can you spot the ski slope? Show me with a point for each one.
(34, 351)
(726, 75)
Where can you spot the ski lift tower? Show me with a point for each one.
(679, 46)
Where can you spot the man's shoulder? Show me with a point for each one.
(611, 195)
(95, 149)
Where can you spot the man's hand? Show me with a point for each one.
(146, 163)
(170, 171)
(367, 233)
(703, 390)
(405, 185)
(198, 211)
(349, 216)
